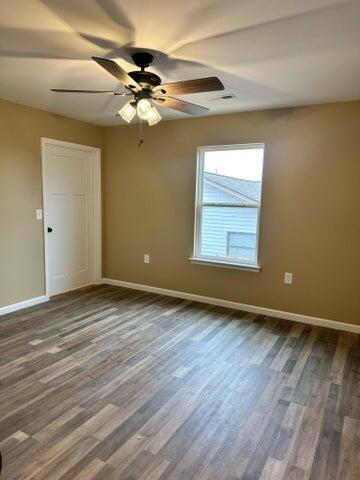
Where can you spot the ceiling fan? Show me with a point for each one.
(146, 88)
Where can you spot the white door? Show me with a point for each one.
(68, 177)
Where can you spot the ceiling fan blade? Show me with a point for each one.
(180, 105)
(117, 72)
(66, 90)
(198, 85)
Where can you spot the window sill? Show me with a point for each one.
(220, 263)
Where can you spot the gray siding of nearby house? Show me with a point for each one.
(218, 221)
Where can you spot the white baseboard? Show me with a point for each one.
(24, 304)
(294, 317)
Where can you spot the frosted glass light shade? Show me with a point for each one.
(143, 107)
(127, 112)
(153, 116)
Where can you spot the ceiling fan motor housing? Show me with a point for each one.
(147, 80)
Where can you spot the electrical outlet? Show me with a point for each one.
(288, 278)
(146, 258)
(39, 214)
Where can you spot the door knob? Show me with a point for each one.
(49, 229)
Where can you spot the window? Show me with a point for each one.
(228, 199)
(241, 245)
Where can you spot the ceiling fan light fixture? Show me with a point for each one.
(143, 107)
(128, 111)
(153, 116)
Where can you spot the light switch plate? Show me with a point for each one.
(288, 278)
(39, 214)
(146, 258)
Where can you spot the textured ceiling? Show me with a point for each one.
(268, 53)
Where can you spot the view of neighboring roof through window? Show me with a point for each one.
(229, 180)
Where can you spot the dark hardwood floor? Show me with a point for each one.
(107, 383)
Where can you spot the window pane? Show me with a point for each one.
(216, 224)
(233, 176)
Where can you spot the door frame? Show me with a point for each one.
(96, 252)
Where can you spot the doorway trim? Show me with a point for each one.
(96, 207)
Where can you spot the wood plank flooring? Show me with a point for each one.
(107, 383)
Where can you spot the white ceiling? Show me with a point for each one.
(268, 53)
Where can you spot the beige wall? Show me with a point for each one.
(310, 220)
(21, 236)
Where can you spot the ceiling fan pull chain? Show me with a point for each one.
(141, 138)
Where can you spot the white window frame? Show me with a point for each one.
(225, 261)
